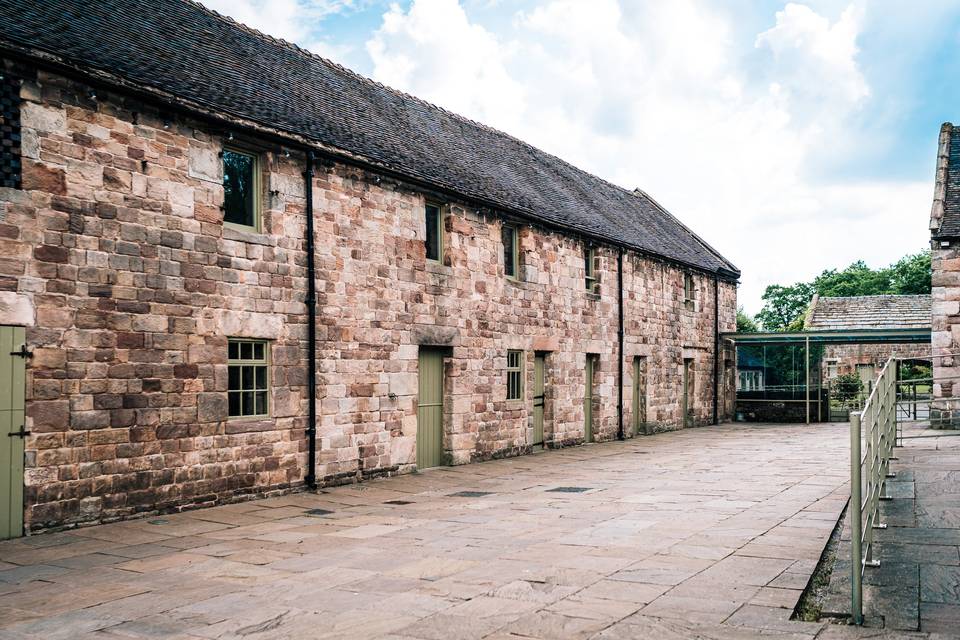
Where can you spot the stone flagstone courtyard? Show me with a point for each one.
(710, 532)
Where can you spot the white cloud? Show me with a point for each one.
(657, 95)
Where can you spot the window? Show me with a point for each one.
(511, 261)
(689, 292)
(590, 270)
(750, 381)
(247, 392)
(434, 240)
(514, 375)
(10, 168)
(241, 189)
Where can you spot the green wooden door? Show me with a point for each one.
(639, 395)
(430, 409)
(687, 393)
(11, 432)
(588, 400)
(538, 393)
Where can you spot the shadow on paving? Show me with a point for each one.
(917, 585)
(702, 533)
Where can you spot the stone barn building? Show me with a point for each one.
(856, 313)
(229, 267)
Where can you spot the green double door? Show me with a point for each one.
(430, 408)
(538, 397)
(12, 433)
(588, 398)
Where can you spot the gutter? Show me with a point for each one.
(236, 122)
(311, 302)
(620, 332)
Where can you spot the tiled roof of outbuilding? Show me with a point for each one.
(185, 51)
(871, 312)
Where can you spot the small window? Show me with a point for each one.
(590, 270)
(511, 261)
(689, 291)
(247, 378)
(514, 375)
(434, 239)
(10, 139)
(241, 192)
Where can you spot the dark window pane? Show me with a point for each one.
(246, 350)
(234, 351)
(234, 400)
(433, 232)
(246, 379)
(247, 403)
(258, 350)
(509, 235)
(234, 378)
(261, 408)
(238, 188)
(261, 377)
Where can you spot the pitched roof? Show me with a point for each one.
(945, 213)
(210, 62)
(870, 312)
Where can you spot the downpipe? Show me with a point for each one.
(620, 435)
(311, 302)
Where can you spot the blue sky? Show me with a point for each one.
(793, 136)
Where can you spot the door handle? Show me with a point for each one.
(21, 433)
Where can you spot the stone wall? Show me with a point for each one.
(846, 357)
(115, 257)
(946, 335)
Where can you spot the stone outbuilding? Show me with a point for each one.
(229, 267)
(859, 313)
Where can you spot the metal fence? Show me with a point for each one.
(873, 433)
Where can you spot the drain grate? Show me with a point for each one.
(569, 489)
(398, 502)
(471, 494)
(158, 521)
(318, 512)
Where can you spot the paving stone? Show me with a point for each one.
(940, 584)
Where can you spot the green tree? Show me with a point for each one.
(856, 280)
(911, 275)
(745, 324)
(783, 305)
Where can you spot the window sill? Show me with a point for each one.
(592, 295)
(232, 231)
(249, 424)
(433, 266)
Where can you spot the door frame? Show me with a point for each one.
(589, 374)
(539, 397)
(639, 394)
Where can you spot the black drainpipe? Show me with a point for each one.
(311, 302)
(620, 348)
(716, 348)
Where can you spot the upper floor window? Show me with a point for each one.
(10, 169)
(247, 387)
(514, 375)
(434, 238)
(689, 291)
(241, 188)
(511, 253)
(590, 270)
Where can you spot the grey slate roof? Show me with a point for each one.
(870, 312)
(182, 49)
